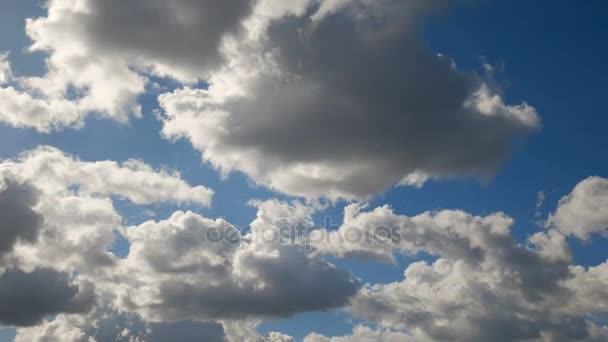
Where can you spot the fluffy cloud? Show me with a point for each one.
(133, 180)
(63, 224)
(27, 297)
(483, 284)
(451, 300)
(584, 211)
(177, 270)
(100, 52)
(306, 116)
(74, 198)
(58, 211)
(284, 103)
(185, 273)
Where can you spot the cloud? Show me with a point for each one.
(305, 116)
(74, 200)
(27, 297)
(5, 69)
(175, 271)
(100, 54)
(178, 38)
(281, 103)
(133, 180)
(584, 211)
(19, 223)
(104, 324)
(449, 300)
(191, 276)
(245, 331)
(363, 334)
(482, 285)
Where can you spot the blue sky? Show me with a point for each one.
(552, 55)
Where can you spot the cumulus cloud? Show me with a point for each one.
(100, 53)
(449, 300)
(73, 198)
(189, 276)
(584, 211)
(483, 285)
(282, 103)
(27, 297)
(306, 116)
(176, 270)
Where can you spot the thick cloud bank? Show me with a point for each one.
(193, 277)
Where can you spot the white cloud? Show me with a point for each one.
(483, 285)
(452, 300)
(54, 171)
(190, 267)
(73, 198)
(100, 52)
(5, 69)
(363, 334)
(584, 211)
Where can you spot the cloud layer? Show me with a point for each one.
(195, 277)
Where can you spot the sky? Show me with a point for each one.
(131, 131)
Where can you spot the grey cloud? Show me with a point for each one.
(18, 220)
(294, 283)
(348, 105)
(27, 297)
(186, 332)
(106, 325)
(182, 34)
